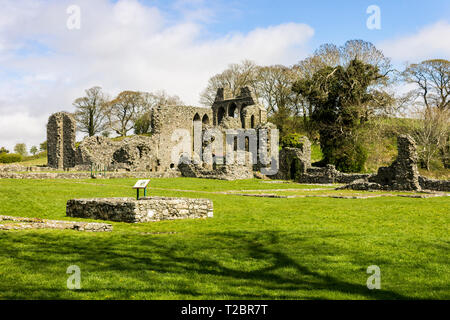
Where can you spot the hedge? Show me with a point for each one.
(10, 157)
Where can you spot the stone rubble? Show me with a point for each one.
(36, 223)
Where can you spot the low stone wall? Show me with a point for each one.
(220, 172)
(36, 223)
(402, 174)
(435, 185)
(328, 174)
(87, 175)
(146, 209)
(21, 168)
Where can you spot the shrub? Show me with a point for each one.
(10, 157)
(348, 157)
(292, 140)
(142, 124)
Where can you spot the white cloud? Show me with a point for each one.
(430, 42)
(30, 130)
(122, 45)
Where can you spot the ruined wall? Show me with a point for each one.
(434, 185)
(243, 109)
(61, 134)
(136, 153)
(295, 164)
(161, 152)
(146, 209)
(167, 119)
(328, 174)
(237, 170)
(294, 161)
(402, 174)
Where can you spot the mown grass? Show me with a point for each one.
(253, 248)
(35, 162)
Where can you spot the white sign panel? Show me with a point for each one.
(141, 184)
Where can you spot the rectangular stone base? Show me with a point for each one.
(143, 210)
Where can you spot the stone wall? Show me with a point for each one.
(294, 161)
(328, 174)
(434, 185)
(87, 175)
(61, 133)
(243, 108)
(402, 174)
(155, 153)
(21, 168)
(146, 209)
(295, 164)
(219, 172)
(167, 119)
(37, 223)
(136, 153)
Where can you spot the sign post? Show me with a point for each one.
(141, 184)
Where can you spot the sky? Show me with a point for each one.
(52, 50)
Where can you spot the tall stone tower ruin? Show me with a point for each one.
(61, 133)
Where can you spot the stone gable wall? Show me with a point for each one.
(61, 133)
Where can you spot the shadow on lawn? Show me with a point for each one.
(129, 255)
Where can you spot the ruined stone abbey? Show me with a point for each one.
(153, 153)
(181, 144)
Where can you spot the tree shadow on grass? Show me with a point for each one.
(180, 261)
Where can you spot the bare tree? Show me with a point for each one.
(150, 101)
(274, 86)
(431, 79)
(90, 111)
(367, 53)
(123, 110)
(232, 79)
(432, 133)
(330, 55)
(159, 98)
(383, 100)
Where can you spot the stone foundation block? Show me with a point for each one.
(145, 209)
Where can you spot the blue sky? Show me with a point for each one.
(334, 21)
(178, 45)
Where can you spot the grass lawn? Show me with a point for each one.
(253, 248)
(34, 162)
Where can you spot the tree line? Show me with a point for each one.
(333, 93)
(96, 113)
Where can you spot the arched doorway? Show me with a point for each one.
(220, 114)
(232, 110)
(205, 119)
(293, 170)
(197, 135)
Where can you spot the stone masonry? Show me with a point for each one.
(37, 223)
(295, 161)
(145, 209)
(61, 133)
(402, 174)
(172, 127)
